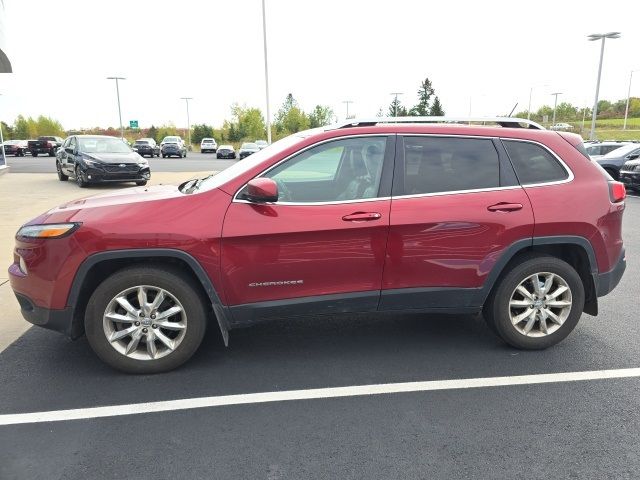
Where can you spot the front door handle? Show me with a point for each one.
(505, 207)
(361, 217)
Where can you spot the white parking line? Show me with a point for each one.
(310, 394)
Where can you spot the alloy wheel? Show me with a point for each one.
(145, 322)
(540, 304)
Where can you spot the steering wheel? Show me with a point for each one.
(284, 194)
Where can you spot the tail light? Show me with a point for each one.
(617, 192)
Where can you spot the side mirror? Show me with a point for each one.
(69, 150)
(633, 157)
(261, 190)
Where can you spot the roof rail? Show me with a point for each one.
(509, 122)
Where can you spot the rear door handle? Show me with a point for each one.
(505, 207)
(361, 217)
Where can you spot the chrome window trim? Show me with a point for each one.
(556, 156)
(332, 202)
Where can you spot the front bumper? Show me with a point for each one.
(226, 155)
(95, 175)
(57, 320)
(606, 282)
(630, 179)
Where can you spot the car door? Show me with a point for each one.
(70, 153)
(320, 247)
(456, 208)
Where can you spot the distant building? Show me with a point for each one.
(5, 64)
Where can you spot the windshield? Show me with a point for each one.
(207, 140)
(142, 142)
(171, 139)
(249, 145)
(251, 161)
(622, 151)
(102, 145)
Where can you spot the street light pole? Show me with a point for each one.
(603, 37)
(626, 110)
(395, 105)
(186, 99)
(347, 102)
(266, 70)
(555, 105)
(118, 94)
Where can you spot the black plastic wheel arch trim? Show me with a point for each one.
(220, 310)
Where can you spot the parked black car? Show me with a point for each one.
(226, 151)
(98, 158)
(613, 161)
(16, 147)
(630, 174)
(44, 144)
(247, 149)
(146, 146)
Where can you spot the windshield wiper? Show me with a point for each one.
(186, 185)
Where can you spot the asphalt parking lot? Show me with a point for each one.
(194, 162)
(565, 429)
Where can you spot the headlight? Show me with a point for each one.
(90, 161)
(52, 230)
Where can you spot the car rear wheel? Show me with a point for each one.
(146, 319)
(52, 153)
(61, 176)
(141, 183)
(34, 154)
(537, 303)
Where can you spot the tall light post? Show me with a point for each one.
(395, 106)
(530, 94)
(626, 110)
(266, 69)
(186, 99)
(118, 94)
(603, 37)
(555, 105)
(347, 102)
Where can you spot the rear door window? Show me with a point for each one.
(533, 163)
(446, 164)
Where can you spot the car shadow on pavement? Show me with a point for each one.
(43, 370)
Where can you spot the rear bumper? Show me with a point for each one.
(606, 282)
(58, 320)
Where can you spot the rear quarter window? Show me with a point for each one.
(533, 163)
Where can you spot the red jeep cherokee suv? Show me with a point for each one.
(512, 221)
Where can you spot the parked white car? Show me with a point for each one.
(561, 126)
(208, 145)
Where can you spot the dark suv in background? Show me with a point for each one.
(377, 215)
(146, 146)
(96, 159)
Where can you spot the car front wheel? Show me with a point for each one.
(146, 319)
(80, 181)
(61, 176)
(537, 303)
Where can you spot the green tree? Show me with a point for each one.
(7, 131)
(163, 131)
(290, 118)
(436, 108)
(199, 132)
(634, 107)
(565, 111)
(320, 116)
(152, 132)
(21, 128)
(250, 122)
(49, 126)
(396, 109)
(425, 92)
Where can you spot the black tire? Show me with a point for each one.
(80, 181)
(497, 310)
(61, 176)
(141, 183)
(52, 153)
(34, 154)
(164, 156)
(185, 155)
(181, 286)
